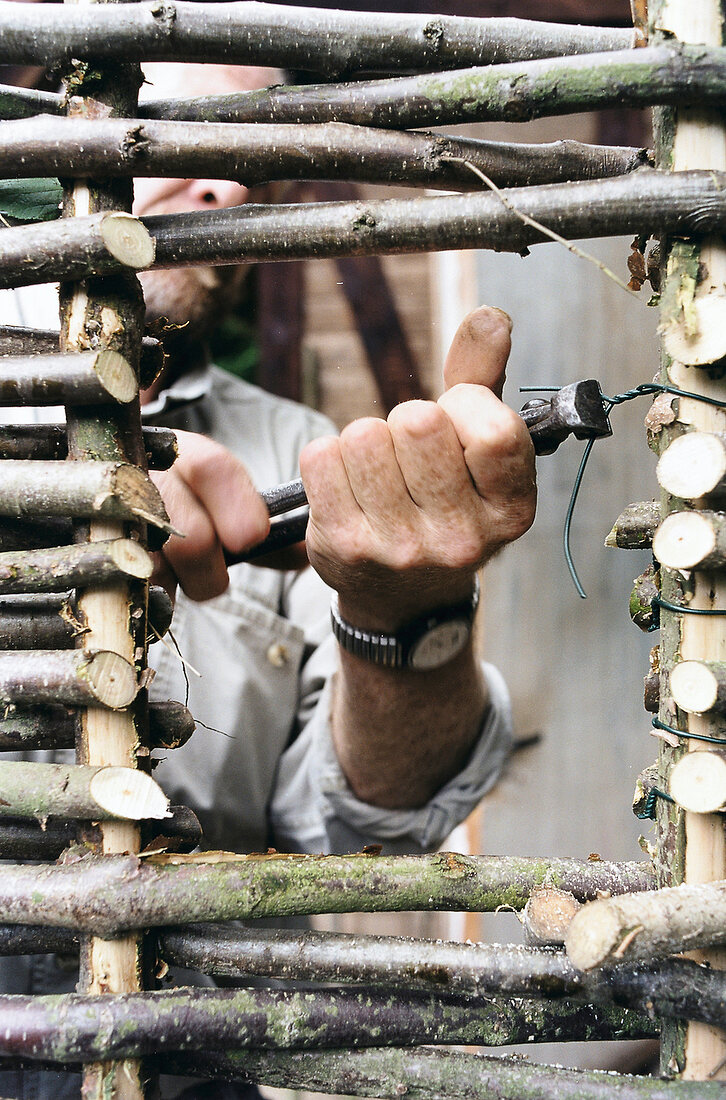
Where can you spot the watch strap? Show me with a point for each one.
(397, 650)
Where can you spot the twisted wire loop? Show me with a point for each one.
(648, 811)
(658, 725)
(610, 403)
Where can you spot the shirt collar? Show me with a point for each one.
(186, 390)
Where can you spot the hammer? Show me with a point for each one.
(576, 409)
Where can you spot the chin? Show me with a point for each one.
(194, 296)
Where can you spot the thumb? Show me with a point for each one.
(480, 349)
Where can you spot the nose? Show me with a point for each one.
(214, 194)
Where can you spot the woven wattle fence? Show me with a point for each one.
(80, 512)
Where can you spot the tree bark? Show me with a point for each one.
(635, 526)
(428, 1074)
(27, 102)
(258, 153)
(109, 896)
(54, 727)
(76, 1028)
(82, 378)
(37, 622)
(76, 678)
(49, 621)
(645, 589)
(265, 34)
(73, 249)
(645, 201)
(692, 847)
(23, 839)
(672, 988)
(33, 940)
(78, 791)
(17, 340)
(648, 925)
(64, 567)
(45, 442)
(515, 92)
(642, 202)
(116, 490)
(20, 534)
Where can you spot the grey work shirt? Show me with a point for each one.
(259, 662)
(262, 770)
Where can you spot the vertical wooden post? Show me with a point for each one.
(108, 313)
(693, 846)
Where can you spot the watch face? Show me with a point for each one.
(439, 644)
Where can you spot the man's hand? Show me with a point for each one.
(404, 511)
(210, 497)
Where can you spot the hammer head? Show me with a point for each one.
(577, 409)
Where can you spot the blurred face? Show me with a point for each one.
(198, 295)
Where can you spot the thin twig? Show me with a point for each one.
(573, 248)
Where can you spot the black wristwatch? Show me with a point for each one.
(428, 642)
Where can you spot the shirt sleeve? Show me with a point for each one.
(313, 808)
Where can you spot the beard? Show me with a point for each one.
(197, 298)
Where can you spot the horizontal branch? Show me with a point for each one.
(694, 465)
(117, 490)
(675, 988)
(258, 153)
(698, 782)
(26, 102)
(118, 893)
(54, 727)
(38, 622)
(63, 567)
(428, 1074)
(77, 1028)
(42, 621)
(45, 442)
(21, 534)
(643, 202)
(668, 74)
(691, 540)
(82, 246)
(635, 526)
(19, 340)
(16, 939)
(648, 925)
(269, 34)
(81, 378)
(699, 686)
(78, 791)
(46, 840)
(73, 678)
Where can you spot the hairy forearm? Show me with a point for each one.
(400, 734)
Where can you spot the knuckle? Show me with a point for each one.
(407, 552)
(365, 430)
(508, 433)
(419, 418)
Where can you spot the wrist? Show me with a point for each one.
(387, 608)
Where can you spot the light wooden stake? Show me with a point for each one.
(694, 326)
(109, 313)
